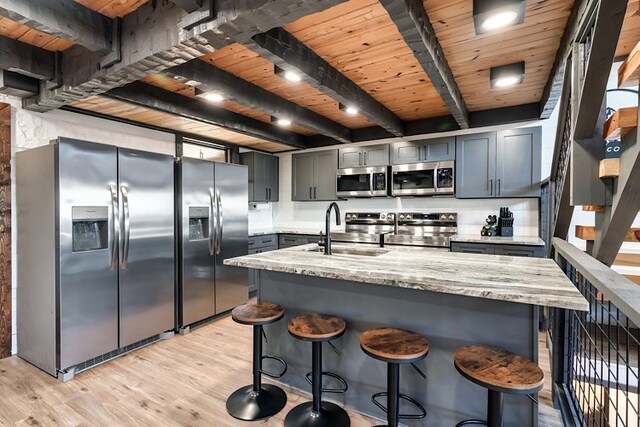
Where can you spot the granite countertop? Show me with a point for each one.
(517, 240)
(524, 280)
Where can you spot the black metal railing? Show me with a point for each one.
(595, 359)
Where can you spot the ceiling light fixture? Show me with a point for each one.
(210, 96)
(292, 76)
(493, 15)
(507, 75)
(281, 121)
(351, 110)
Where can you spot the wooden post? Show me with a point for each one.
(5, 230)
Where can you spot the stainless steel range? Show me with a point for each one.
(406, 228)
(424, 229)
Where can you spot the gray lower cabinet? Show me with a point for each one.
(499, 164)
(499, 249)
(433, 150)
(263, 176)
(291, 240)
(259, 244)
(314, 176)
(373, 155)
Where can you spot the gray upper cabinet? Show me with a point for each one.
(373, 155)
(499, 164)
(313, 175)
(263, 176)
(518, 162)
(423, 151)
(475, 165)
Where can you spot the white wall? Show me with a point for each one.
(30, 130)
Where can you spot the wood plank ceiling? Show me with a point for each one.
(359, 39)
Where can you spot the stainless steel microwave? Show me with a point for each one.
(363, 182)
(423, 179)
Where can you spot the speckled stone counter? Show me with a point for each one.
(453, 299)
(524, 280)
(498, 240)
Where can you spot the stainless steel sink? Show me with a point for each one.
(351, 251)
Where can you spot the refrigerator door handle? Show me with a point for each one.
(220, 223)
(127, 226)
(115, 224)
(213, 224)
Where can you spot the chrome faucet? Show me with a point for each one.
(327, 237)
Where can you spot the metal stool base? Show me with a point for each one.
(331, 415)
(471, 422)
(248, 405)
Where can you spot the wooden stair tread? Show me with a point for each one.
(609, 168)
(259, 313)
(499, 369)
(317, 327)
(621, 123)
(392, 344)
(629, 71)
(594, 208)
(586, 232)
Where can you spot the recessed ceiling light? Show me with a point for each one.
(351, 110)
(290, 75)
(500, 20)
(213, 97)
(507, 75)
(284, 122)
(492, 15)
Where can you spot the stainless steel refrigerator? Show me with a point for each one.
(214, 227)
(96, 253)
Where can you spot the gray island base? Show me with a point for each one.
(453, 299)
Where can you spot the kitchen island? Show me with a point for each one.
(453, 299)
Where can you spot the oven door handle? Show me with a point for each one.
(371, 183)
(435, 179)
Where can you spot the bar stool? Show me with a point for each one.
(499, 371)
(395, 347)
(258, 401)
(318, 328)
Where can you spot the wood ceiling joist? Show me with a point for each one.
(214, 79)
(150, 43)
(287, 52)
(66, 19)
(168, 102)
(107, 108)
(413, 23)
(26, 59)
(113, 8)
(21, 32)
(630, 33)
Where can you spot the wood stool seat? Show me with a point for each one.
(393, 345)
(499, 370)
(261, 313)
(317, 327)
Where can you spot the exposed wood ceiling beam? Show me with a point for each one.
(214, 79)
(553, 87)
(153, 40)
(26, 59)
(188, 5)
(604, 40)
(163, 100)
(287, 52)
(62, 18)
(415, 27)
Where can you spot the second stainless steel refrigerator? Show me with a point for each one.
(214, 227)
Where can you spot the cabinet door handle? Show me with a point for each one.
(499, 191)
(359, 159)
(310, 192)
(269, 194)
(266, 193)
(491, 187)
(315, 192)
(365, 158)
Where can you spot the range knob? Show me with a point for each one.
(452, 217)
(444, 217)
(408, 216)
(401, 216)
(382, 216)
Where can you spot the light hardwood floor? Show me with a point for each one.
(179, 382)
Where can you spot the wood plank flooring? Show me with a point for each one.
(180, 382)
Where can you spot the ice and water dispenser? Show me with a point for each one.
(90, 228)
(198, 223)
